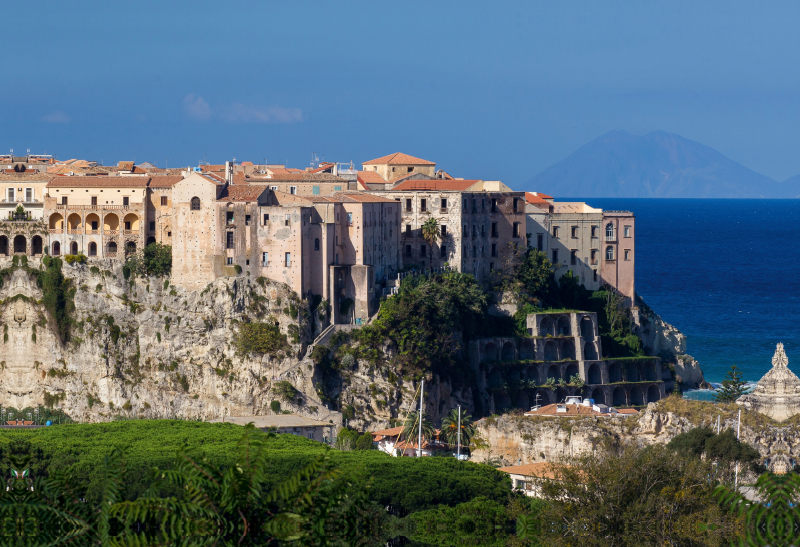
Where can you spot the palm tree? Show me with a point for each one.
(411, 428)
(450, 428)
(430, 231)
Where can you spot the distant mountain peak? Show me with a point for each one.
(656, 165)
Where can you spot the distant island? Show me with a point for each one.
(619, 164)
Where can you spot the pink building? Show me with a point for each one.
(618, 253)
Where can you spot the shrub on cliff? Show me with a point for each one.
(260, 339)
(155, 259)
(58, 295)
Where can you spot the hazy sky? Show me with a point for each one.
(486, 89)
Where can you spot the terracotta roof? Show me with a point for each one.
(29, 176)
(212, 167)
(370, 177)
(284, 198)
(391, 432)
(541, 470)
(540, 194)
(294, 177)
(571, 410)
(627, 411)
(398, 158)
(350, 197)
(247, 163)
(436, 184)
(243, 192)
(164, 181)
(89, 182)
(125, 165)
(324, 166)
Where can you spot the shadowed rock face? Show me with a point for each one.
(27, 342)
(777, 393)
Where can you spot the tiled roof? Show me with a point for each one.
(30, 176)
(398, 158)
(285, 199)
(435, 184)
(391, 432)
(324, 166)
(350, 197)
(571, 410)
(294, 177)
(370, 177)
(241, 192)
(163, 181)
(541, 470)
(125, 165)
(212, 167)
(540, 194)
(91, 182)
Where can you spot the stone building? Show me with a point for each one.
(777, 393)
(396, 167)
(597, 246)
(561, 347)
(477, 220)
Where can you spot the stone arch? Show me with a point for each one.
(632, 372)
(513, 374)
(74, 221)
(111, 222)
(56, 249)
(532, 374)
(589, 353)
(653, 394)
(4, 245)
(195, 203)
(650, 372)
(92, 248)
(526, 349)
(568, 349)
(550, 351)
(489, 353)
(509, 352)
(587, 328)
(564, 328)
(150, 240)
(594, 376)
(572, 370)
(73, 248)
(36, 245)
(614, 373)
(20, 245)
(92, 221)
(599, 396)
(56, 221)
(131, 222)
(546, 327)
(637, 397)
(618, 397)
(554, 372)
(522, 400)
(111, 247)
(502, 402)
(494, 378)
(130, 247)
(561, 395)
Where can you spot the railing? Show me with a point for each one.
(111, 254)
(74, 232)
(56, 230)
(130, 232)
(110, 232)
(92, 232)
(33, 200)
(612, 238)
(61, 206)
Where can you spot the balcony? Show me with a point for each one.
(110, 232)
(75, 232)
(63, 207)
(130, 232)
(611, 238)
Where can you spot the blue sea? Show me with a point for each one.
(724, 272)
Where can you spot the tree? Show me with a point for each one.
(733, 386)
(260, 338)
(430, 231)
(450, 428)
(411, 428)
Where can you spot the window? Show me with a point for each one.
(627, 254)
(288, 220)
(126, 200)
(516, 202)
(94, 224)
(63, 200)
(494, 205)
(444, 231)
(465, 205)
(474, 250)
(491, 266)
(247, 220)
(230, 261)
(474, 230)
(229, 240)
(609, 232)
(169, 234)
(444, 204)
(315, 190)
(483, 230)
(555, 231)
(516, 229)
(540, 242)
(246, 262)
(423, 205)
(573, 256)
(94, 201)
(264, 259)
(627, 231)
(228, 217)
(594, 275)
(410, 170)
(574, 232)
(293, 189)
(408, 205)
(127, 225)
(28, 194)
(266, 219)
(408, 250)
(594, 256)
(483, 204)
(11, 194)
(152, 226)
(594, 230)
(408, 229)
(443, 249)
(289, 259)
(422, 250)
(465, 232)
(164, 201)
(474, 205)
(609, 253)
(494, 249)
(273, 188)
(494, 229)
(316, 244)
(350, 219)
(337, 188)
(555, 256)
(195, 204)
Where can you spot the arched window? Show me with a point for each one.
(316, 244)
(610, 253)
(56, 248)
(610, 231)
(195, 204)
(92, 249)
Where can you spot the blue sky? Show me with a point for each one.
(495, 90)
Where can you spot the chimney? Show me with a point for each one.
(229, 172)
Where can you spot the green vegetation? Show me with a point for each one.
(348, 439)
(155, 259)
(261, 338)
(450, 428)
(724, 448)
(479, 522)
(411, 428)
(79, 258)
(285, 390)
(58, 295)
(430, 231)
(733, 386)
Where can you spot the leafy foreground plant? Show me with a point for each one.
(216, 506)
